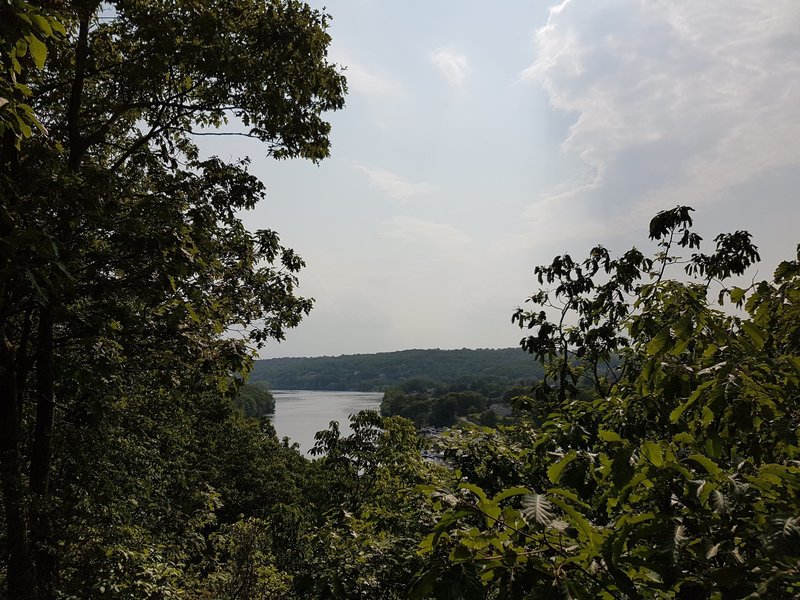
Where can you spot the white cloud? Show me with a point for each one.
(395, 186)
(417, 231)
(366, 80)
(452, 65)
(675, 102)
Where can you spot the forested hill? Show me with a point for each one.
(366, 372)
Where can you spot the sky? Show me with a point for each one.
(482, 139)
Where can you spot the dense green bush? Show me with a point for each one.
(676, 476)
(255, 400)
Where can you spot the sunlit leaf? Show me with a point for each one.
(536, 507)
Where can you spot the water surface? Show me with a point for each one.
(299, 414)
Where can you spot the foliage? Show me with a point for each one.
(673, 476)
(370, 517)
(660, 457)
(255, 400)
(377, 372)
(440, 408)
(25, 31)
(244, 567)
(124, 270)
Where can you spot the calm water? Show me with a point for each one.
(300, 414)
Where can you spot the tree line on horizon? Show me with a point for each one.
(377, 372)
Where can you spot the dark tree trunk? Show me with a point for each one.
(42, 453)
(20, 578)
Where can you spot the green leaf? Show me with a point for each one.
(509, 492)
(677, 412)
(640, 518)
(684, 327)
(580, 522)
(460, 553)
(490, 511)
(609, 436)
(652, 452)
(474, 489)
(24, 128)
(795, 363)
(737, 295)
(713, 446)
(754, 333)
(58, 26)
(555, 470)
(681, 470)
(659, 342)
(569, 495)
(42, 24)
(709, 465)
(710, 351)
(38, 50)
(20, 48)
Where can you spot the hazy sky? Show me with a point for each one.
(481, 139)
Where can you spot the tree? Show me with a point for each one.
(369, 512)
(123, 260)
(255, 400)
(670, 474)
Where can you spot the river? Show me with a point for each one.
(299, 414)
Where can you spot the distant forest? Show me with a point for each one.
(376, 372)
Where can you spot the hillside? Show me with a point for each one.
(367, 372)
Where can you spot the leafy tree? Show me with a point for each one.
(244, 566)
(123, 261)
(443, 411)
(255, 400)
(674, 475)
(369, 513)
(414, 407)
(439, 409)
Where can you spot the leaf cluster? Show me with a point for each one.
(674, 474)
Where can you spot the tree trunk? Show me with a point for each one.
(42, 453)
(19, 560)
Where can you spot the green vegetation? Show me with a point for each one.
(675, 476)
(25, 31)
(255, 400)
(122, 264)
(377, 372)
(658, 457)
(428, 405)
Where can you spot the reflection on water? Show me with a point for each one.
(299, 414)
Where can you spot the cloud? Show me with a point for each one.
(366, 80)
(417, 231)
(675, 102)
(363, 81)
(452, 65)
(395, 186)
